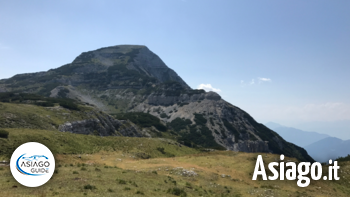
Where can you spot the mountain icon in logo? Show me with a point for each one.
(34, 157)
(35, 165)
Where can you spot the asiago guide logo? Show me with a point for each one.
(32, 164)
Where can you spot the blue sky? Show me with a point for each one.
(281, 61)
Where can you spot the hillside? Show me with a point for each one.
(68, 143)
(89, 119)
(131, 78)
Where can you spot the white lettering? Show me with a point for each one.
(291, 174)
(273, 170)
(262, 172)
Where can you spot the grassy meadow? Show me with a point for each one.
(88, 165)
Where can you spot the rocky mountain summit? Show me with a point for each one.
(130, 79)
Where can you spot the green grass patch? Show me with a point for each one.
(69, 143)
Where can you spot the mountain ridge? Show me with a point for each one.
(292, 134)
(131, 78)
(329, 148)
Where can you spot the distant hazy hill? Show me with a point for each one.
(273, 125)
(339, 128)
(328, 148)
(296, 136)
(320, 147)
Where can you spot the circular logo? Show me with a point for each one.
(32, 164)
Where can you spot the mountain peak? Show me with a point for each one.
(116, 51)
(124, 49)
(128, 58)
(131, 78)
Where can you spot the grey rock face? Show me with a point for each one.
(153, 66)
(156, 99)
(278, 141)
(144, 61)
(212, 96)
(251, 146)
(2, 89)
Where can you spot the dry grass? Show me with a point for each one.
(120, 174)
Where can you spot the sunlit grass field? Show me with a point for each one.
(124, 166)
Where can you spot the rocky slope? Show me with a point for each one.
(131, 78)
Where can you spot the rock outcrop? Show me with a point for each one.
(103, 125)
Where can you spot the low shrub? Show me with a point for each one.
(188, 185)
(134, 184)
(178, 124)
(4, 134)
(142, 155)
(139, 192)
(121, 181)
(177, 192)
(97, 169)
(68, 105)
(142, 119)
(163, 115)
(161, 149)
(90, 187)
(45, 104)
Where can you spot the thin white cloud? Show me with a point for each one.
(264, 79)
(258, 80)
(208, 87)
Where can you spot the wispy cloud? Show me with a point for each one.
(208, 87)
(262, 79)
(258, 80)
(252, 82)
